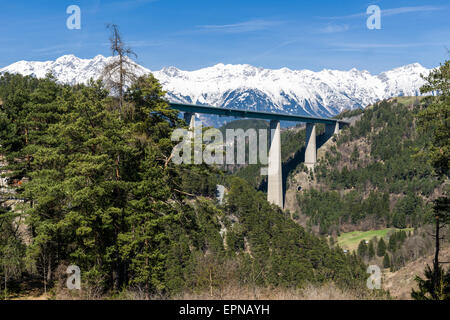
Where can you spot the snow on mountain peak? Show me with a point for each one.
(171, 71)
(243, 86)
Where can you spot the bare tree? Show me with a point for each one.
(120, 71)
(442, 216)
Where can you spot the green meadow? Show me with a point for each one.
(350, 240)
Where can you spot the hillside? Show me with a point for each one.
(369, 173)
(94, 187)
(401, 282)
(368, 181)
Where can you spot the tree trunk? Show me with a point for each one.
(210, 284)
(436, 260)
(121, 84)
(6, 280)
(147, 289)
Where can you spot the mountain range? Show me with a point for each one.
(302, 92)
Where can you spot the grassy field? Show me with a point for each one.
(350, 240)
(408, 100)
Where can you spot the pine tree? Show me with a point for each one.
(26, 119)
(16, 92)
(371, 250)
(435, 118)
(331, 241)
(11, 250)
(392, 244)
(355, 155)
(386, 261)
(427, 287)
(381, 249)
(150, 214)
(362, 248)
(436, 285)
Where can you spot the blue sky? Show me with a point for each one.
(265, 33)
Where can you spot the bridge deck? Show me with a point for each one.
(251, 114)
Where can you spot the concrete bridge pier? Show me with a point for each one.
(331, 129)
(274, 183)
(311, 151)
(189, 117)
(275, 187)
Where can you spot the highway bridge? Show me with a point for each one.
(274, 183)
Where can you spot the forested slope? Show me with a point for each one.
(374, 172)
(91, 184)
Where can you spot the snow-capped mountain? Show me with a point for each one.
(67, 69)
(303, 92)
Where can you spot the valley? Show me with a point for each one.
(198, 154)
(129, 217)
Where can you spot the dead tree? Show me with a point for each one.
(120, 71)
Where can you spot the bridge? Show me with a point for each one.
(274, 183)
